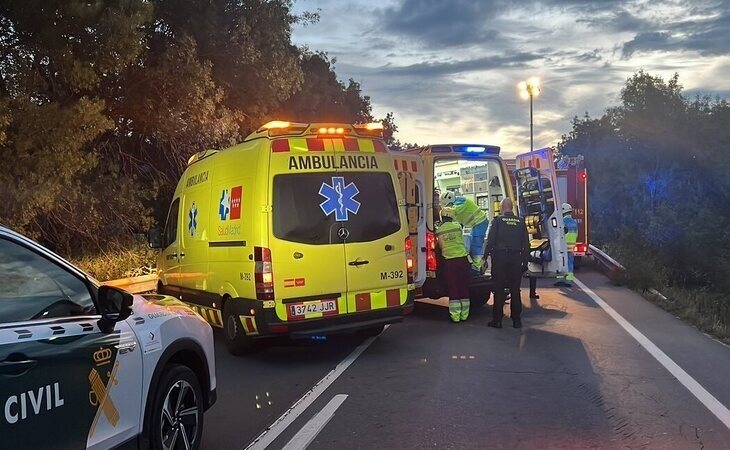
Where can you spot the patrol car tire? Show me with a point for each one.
(237, 342)
(175, 379)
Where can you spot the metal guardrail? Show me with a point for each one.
(613, 268)
(135, 285)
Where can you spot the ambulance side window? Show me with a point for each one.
(34, 287)
(170, 235)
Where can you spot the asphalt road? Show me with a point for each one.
(573, 377)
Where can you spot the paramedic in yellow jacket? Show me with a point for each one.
(451, 241)
(469, 215)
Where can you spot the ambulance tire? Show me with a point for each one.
(176, 378)
(237, 342)
(577, 263)
(372, 331)
(478, 297)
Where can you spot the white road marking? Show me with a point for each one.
(707, 399)
(311, 429)
(275, 429)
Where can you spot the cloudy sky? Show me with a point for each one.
(448, 69)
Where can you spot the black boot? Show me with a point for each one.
(516, 323)
(495, 324)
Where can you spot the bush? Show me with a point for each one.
(134, 260)
(708, 311)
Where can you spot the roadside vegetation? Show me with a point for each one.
(659, 188)
(102, 102)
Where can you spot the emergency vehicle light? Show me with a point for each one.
(332, 130)
(275, 124)
(369, 129)
(282, 127)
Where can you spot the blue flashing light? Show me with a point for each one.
(472, 149)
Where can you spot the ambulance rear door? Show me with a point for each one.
(307, 249)
(375, 230)
(412, 184)
(552, 223)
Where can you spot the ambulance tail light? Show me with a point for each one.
(431, 261)
(263, 274)
(410, 259)
(580, 248)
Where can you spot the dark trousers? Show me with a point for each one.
(457, 278)
(506, 273)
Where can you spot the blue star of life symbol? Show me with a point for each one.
(193, 219)
(225, 206)
(340, 199)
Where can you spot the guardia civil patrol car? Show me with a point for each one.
(300, 230)
(86, 366)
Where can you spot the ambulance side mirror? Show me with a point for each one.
(154, 238)
(114, 306)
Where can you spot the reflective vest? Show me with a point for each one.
(468, 213)
(571, 231)
(451, 240)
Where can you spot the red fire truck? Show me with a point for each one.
(573, 188)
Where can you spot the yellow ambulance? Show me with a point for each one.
(300, 230)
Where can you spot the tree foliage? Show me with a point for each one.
(659, 189)
(102, 102)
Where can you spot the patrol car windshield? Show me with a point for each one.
(312, 208)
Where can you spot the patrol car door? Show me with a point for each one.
(545, 222)
(307, 253)
(63, 383)
(412, 184)
(171, 252)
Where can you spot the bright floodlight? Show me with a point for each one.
(529, 88)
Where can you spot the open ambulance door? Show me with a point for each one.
(412, 183)
(539, 203)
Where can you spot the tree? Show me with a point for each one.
(658, 170)
(57, 57)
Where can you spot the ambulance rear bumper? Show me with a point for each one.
(331, 327)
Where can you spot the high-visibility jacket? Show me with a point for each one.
(451, 240)
(571, 231)
(467, 213)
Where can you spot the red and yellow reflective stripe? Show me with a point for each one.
(249, 325)
(314, 144)
(401, 165)
(368, 301)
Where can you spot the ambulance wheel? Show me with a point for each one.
(478, 297)
(372, 331)
(177, 410)
(237, 342)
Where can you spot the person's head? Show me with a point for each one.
(506, 206)
(447, 198)
(567, 209)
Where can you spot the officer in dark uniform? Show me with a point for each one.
(509, 246)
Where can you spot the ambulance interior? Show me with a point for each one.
(479, 180)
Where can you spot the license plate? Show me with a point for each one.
(320, 306)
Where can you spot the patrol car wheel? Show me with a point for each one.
(177, 411)
(237, 342)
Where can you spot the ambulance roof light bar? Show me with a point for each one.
(282, 127)
(374, 129)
